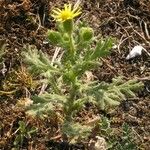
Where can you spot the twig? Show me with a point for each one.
(121, 42)
(137, 32)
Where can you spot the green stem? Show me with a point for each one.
(70, 103)
(54, 86)
(72, 47)
(72, 94)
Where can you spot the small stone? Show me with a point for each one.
(136, 51)
(100, 143)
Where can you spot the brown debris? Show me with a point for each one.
(26, 22)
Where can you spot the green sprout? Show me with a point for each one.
(22, 133)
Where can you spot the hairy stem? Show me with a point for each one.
(54, 86)
(72, 93)
(70, 103)
(72, 48)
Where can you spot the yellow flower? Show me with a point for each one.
(66, 13)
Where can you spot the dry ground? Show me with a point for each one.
(26, 22)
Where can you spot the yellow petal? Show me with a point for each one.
(69, 7)
(66, 13)
(66, 7)
(56, 12)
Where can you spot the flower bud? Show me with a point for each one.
(86, 34)
(54, 37)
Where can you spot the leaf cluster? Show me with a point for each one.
(106, 95)
(117, 142)
(22, 133)
(66, 87)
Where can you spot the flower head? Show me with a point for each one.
(66, 13)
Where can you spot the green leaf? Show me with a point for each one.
(69, 75)
(31, 131)
(128, 93)
(22, 126)
(38, 61)
(81, 67)
(17, 140)
(54, 98)
(111, 102)
(73, 130)
(108, 95)
(54, 37)
(79, 104)
(40, 110)
(102, 48)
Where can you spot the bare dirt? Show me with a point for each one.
(26, 22)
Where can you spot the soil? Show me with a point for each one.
(27, 21)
